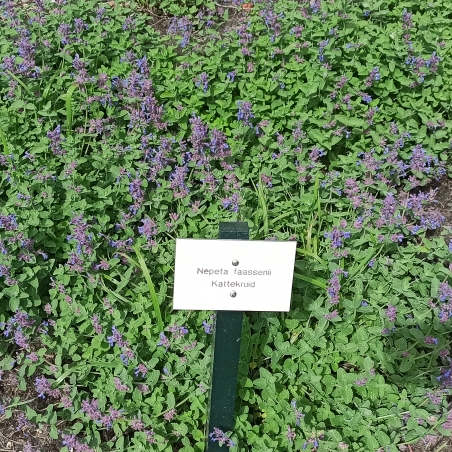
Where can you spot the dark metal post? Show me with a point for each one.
(226, 355)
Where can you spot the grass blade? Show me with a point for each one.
(263, 205)
(314, 256)
(141, 264)
(317, 195)
(154, 298)
(115, 294)
(81, 367)
(46, 91)
(121, 284)
(316, 282)
(5, 144)
(365, 260)
(21, 83)
(69, 93)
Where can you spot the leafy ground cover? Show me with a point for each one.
(327, 123)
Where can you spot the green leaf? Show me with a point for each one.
(368, 363)
(314, 256)
(346, 393)
(401, 344)
(315, 281)
(330, 382)
(53, 432)
(406, 365)
(155, 301)
(317, 135)
(33, 219)
(171, 401)
(22, 84)
(383, 438)
(69, 93)
(4, 142)
(351, 122)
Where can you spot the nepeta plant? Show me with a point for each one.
(315, 121)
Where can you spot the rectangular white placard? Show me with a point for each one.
(233, 275)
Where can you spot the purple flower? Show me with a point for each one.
(406, 19)
(331, 315)
(66, 401)
(298, 416)
(137, 424)
(340, 84)
(290, 434)
(80, 235)
(42, 386)
(124, 359)
(334, 285)
(73, 443)
(164, 342)
(361, 382)
(20, 339)
(231, 203)
(56, 138)
(391, 313)
(103, 265)
(119, 385)
(129, 23)
(148, 229)
(444, 292)
(33, 357)
(366, 98)
(141, 369)
(370, 114)
(207, 327)
(373, 76)
(244, 114)
(231, 75)
(8, 222)
(79, 64)
(315, 154)
(170, 415)
(177, 181)
(218, 145)
(22, 318)
(23, 422)
(220, 436)
(202, 79)
(181, 26)
(91, 409)
(117, 337)
(336, 236)
(431, 340)
(135, 189)
(396, 238)
(266, 180)
(387, 330)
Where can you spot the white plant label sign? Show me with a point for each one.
(233, 275)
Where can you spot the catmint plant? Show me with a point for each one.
(119, 136)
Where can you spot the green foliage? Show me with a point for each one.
(116, 140)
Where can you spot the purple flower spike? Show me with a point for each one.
(391, 313)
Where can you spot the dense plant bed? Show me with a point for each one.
(320, 122)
